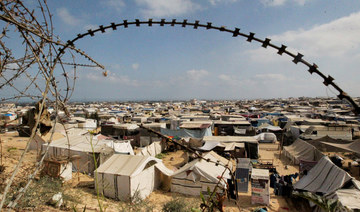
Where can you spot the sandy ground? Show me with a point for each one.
(12, 147)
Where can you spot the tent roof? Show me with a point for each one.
(237, 122)
(324, 177)
(80, 143)
(301, 150)
(351, 147)
(125, 165)
(207, 169)
(193, 124)
(260, 174)
(230, 139)
(348, 197)
(126, 126)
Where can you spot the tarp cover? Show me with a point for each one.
(266, 138)
(151, 150)
(123, 147)
(210, 171)
(349, 198)
(351, 147)
(325, 177)
(185, 133)
(301, 150)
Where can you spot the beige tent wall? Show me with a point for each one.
(106, 186)
(205, 184)
(108, 183)
(162, 181)
(123, 185)
(85, 163)
(143, 183)
(186, 186)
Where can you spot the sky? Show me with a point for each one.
(176, 63)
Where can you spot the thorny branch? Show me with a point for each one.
(29, 73)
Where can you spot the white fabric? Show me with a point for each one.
(266, 137)
(199, 174)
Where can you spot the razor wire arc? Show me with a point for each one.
(297, 58)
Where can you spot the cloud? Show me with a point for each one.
(135, 66)
(165, 8)
(274, 77)
(90, 26)
(196, 75)
(112, 78)
(215, 2)
(275, 3)
(11, 66)
(335, 39)
(66, 17)
(230, 80)
(118, 5)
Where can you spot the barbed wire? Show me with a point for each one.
(281, 50)
(34, 67)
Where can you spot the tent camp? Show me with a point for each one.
(325, 177)
(128, 177)
(231, 143)
(301, 150)
(198, 175)
(80, 145)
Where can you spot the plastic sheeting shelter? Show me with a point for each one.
(128, 177)
(198, 175)
(121, 147)
(243, 168)
(151, 150)
(301, 150)
(325, 177)
(266, 138)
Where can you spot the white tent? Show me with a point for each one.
(301, 150)
(198, 175)
(120, 147)
(151, 150)
(325, 177)
(128, 177)
(266, 138)
(83, 147)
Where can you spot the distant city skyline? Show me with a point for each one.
(173, 63)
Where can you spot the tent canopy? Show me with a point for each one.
(351, 147)
(325, 177)
(127, 165)
(301, 150)
(206, 169)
